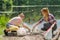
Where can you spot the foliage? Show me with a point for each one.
(3, 20)
(31, 13)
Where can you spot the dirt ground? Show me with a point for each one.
(28, 37)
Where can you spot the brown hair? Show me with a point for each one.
(46, 14)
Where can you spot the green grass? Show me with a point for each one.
(0, 38)
(1, 30)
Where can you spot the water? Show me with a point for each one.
(58, 23)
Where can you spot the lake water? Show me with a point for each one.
(58, 23)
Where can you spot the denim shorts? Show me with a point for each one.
(8, 25)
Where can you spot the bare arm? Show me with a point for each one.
(37, 24)
(25, 26)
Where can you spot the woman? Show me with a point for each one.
(49, 20)
(15, 23)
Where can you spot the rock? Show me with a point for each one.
(21, 31)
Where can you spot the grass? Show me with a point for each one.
(3, 21)
(1, 30)
(0, 38)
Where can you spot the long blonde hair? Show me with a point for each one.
(46, 15)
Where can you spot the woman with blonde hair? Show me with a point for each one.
(49, 20)
(15, 23)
